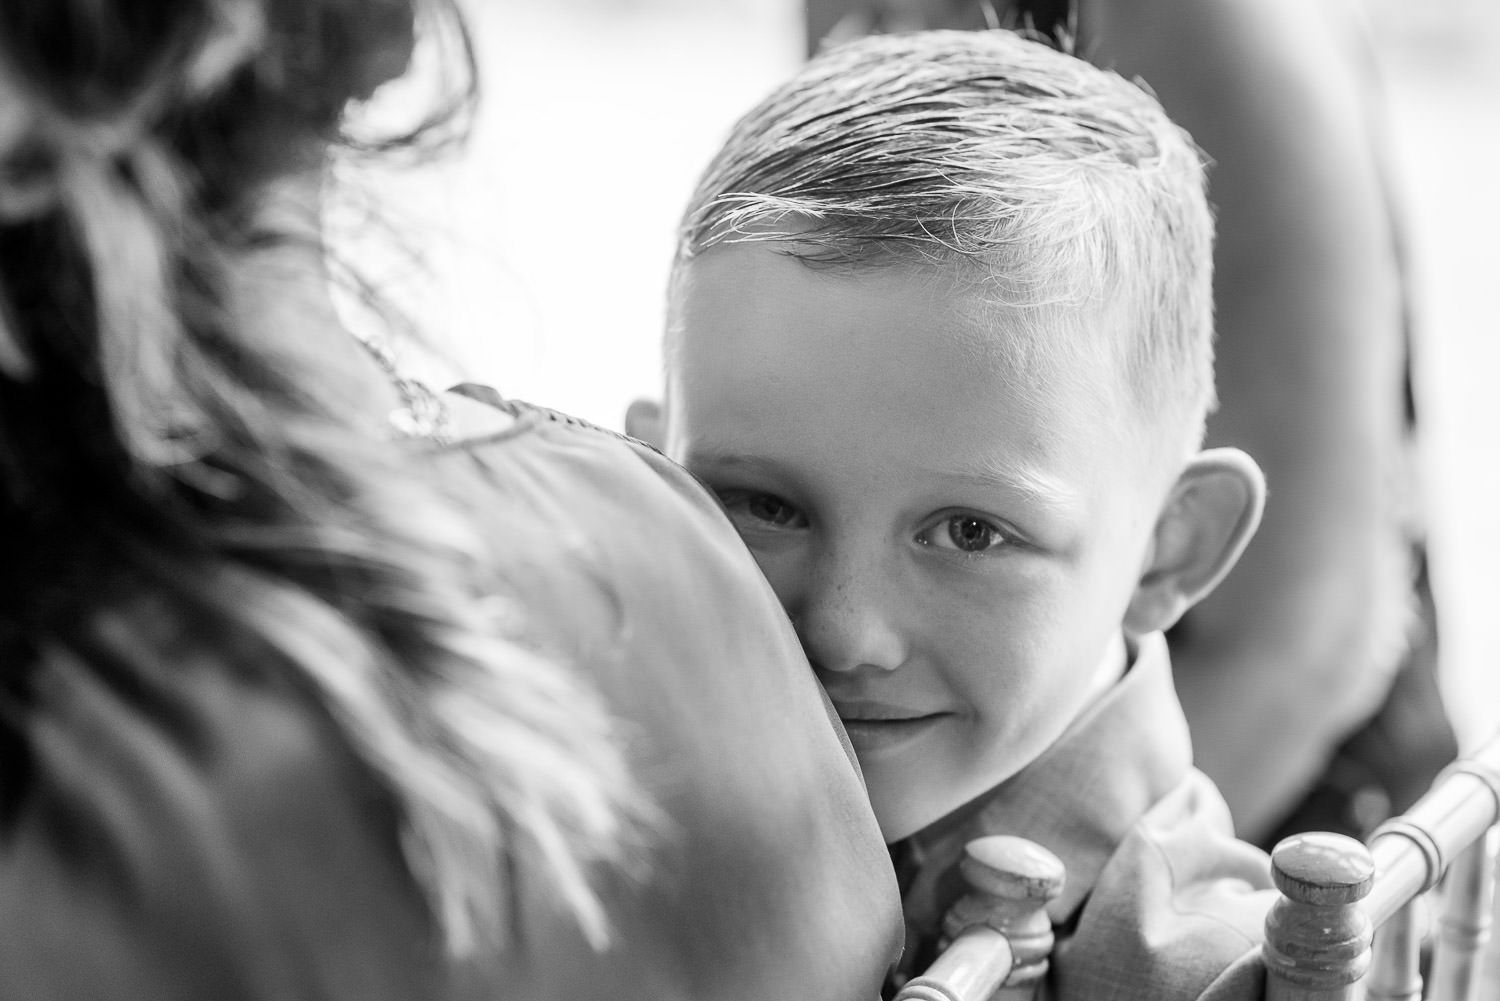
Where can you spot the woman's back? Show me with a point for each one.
(289, 709)
(193, 825)
(765, 875)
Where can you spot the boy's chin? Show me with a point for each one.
(908, 801)
(902, 814)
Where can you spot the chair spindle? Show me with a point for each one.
(1464, 924)
(1396, 966)
(1317, 944)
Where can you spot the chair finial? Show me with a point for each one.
(1317, 937)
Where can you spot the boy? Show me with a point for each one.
(940, 339)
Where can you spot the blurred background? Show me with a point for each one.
(536, 259)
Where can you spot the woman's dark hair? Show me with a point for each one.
(158, 450)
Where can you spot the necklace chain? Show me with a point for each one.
(422, 413)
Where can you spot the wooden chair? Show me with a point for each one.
(1351, 920)
(998, 934)
(1348, 926)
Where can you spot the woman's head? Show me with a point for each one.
(232, 87)
(137, 143)
(159, 436)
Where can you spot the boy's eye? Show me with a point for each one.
(761, 510)
(965, 533)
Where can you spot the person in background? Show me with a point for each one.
(291, 706)
(1309, 678)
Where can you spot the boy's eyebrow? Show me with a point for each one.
(727, 458)
(1036, 486)
(722, 454)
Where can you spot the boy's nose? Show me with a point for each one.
(847, 622)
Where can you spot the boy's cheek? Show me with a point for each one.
(781, 568)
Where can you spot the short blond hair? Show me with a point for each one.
(1064, 186)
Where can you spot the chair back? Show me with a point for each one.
(1352, 918)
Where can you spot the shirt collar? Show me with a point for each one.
(1082, 796)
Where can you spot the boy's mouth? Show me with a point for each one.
(875, 727)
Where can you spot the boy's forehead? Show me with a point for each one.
(752, 272)
(755, 293)
(762, 341)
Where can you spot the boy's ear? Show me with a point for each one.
(1210, 515)
(643, 420)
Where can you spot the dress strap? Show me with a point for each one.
(478, 413)
(524, 415)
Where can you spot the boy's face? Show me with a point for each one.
(955, 538)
